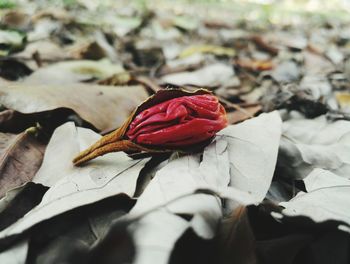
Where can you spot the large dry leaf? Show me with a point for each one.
(74, 71)
(19, 201)
(317, 64)
(104, 107)
(172, 192)
(17, 254)
(155, 235)
(237, 157)
(48, 50)
(20, 158)
(72, 187)
(307, 144)
(252, 151)
(213, 75)
(327, 198)
(286, 72)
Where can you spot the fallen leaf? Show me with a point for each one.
(327, 198)
(74, 71)
(19, 201)
(16, 19)
(90, 232)
(252, 151)
(43, 28)
(123, 25)
(239, 116)
(343, 100)
(16, 254)
(316, 87)
(180, 65)
(73, 187)
(285, 72)
(173, 191)
(47, 50)
(264, 45)
(334, 54)
(189, 23)
(210, 76)
(10, 41)
(104, 107)
(255, 65)
(316, 143)
(288, 39)
(295, 239)
(154, 240)
(317, 64)
(211, 49)
(20, 158)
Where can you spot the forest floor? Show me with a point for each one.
(271, 187)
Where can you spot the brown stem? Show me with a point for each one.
(99, 149)
(112, 142)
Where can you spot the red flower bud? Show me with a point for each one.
(179, 122)
(170, 120)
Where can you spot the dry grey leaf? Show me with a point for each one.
(327, 198)
(105, 107)
(307, 144)
(317, 87)
(155, 235)
(252, 150)
(19, 201)
(48, 50)
(173, 190)
(71, 186)
(20, 158)
(17, 254)
(287, 71)
(74, 71)
(217, 74)
(317, 64)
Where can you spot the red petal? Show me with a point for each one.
(179, 122)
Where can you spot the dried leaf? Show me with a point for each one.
(47, 50)
(10, 41)
(174, 190)
(103, 106)
(252, 149)
(327, 198)
(307, 144)
(255, 65)
(17, 254)
(343, 100)
(20, 158)
(74, 71)
(210, 76)
(19, 201)
(216, 50)
(286, 72)
(239, 116)
(72, 187)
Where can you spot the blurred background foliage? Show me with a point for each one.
(271, 11)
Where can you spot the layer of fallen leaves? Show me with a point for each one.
(272, 187)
